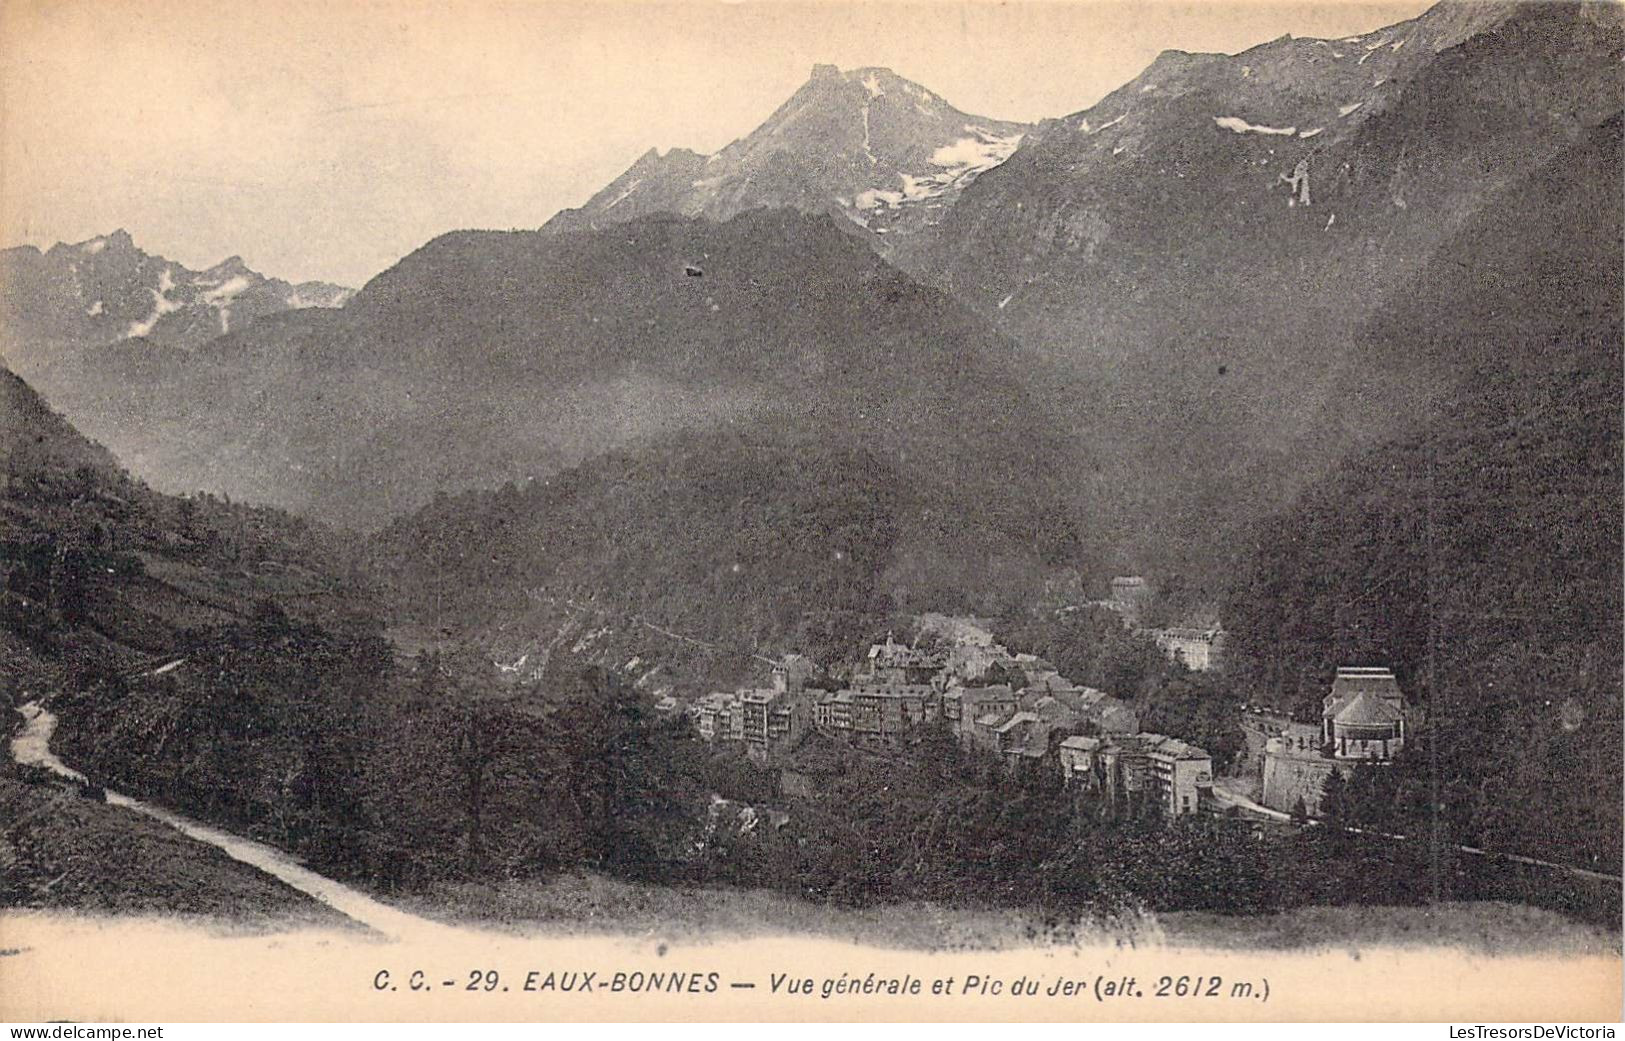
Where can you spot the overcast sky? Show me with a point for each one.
(325, 140)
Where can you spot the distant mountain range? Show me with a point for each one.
(806, 545)
(1208, 253)
(485, 357)
(107, 289)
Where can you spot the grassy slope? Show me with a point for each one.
(59, 850)
(1493, 927)
(594, 904)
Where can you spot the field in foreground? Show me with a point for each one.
(61, 851)
(588, 903)
(594, 904)
(1489, 927)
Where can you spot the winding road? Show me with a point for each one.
(32, 747)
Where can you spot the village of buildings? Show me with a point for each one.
(1036, 719)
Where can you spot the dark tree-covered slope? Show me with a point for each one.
(1496, 521)
(99, 570)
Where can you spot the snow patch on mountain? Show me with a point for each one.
(221, 296)
(161, 305)
(870, 198)
(622, 197)
(976, 154)
(223, 292)
(1238, 125)
(958, 164)
(94, 246)
(1088, 129)
(1350, 108)
(918, 188)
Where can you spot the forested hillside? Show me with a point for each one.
(1497, 523)
(484, 357)
(297, 725)
(226, 662)
(96, 563)
(762, 538)
(1521, 587)
(137, 617)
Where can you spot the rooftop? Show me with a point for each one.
(893, 690)
(718, 699)
(997, 692)
(1367, 709)
(1188, 633)
(1353, 680)
(1016, 720)
(1172, 747)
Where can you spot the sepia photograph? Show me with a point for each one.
(812, 510)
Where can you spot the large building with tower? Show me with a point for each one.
(1364, 719)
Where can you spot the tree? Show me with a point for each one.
(474, 753)
(632, 785)
(1333, 799)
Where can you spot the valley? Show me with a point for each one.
(897, 523)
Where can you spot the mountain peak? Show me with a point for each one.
(232, 265)
(878, 80)
(866, 143)
(669, 155)
(119, 241)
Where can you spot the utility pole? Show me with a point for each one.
(1435, 697)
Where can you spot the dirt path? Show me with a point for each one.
(32, 747)
(1230, 797)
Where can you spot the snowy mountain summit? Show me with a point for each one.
(106, 289)
(865, 144)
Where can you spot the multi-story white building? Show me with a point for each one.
(1200, 650)
(1181, 774)
(719, 717)
(1129, 768)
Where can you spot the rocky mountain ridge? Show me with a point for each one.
(865, 144)
(106, 289)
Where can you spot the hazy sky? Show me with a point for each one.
(325, 140)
